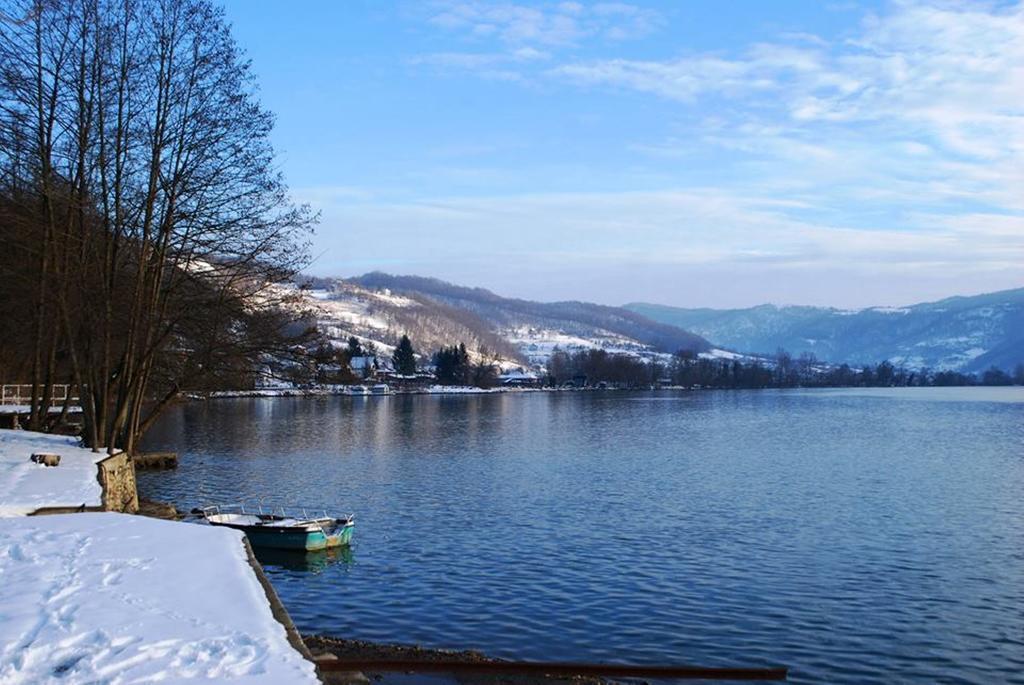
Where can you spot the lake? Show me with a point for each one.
(852, 535)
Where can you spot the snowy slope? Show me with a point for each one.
(961, 333)
(529, 331)
(380, 316)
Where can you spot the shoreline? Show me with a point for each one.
(431, 390)
(317, 646)
(330, 647)
(340, 391)
(14, 411)
(468, 390)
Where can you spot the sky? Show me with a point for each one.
(843, 154)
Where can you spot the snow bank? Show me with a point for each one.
(115, 598)
(459, 390)
(25, 409)
(716, 353)
(26, 487)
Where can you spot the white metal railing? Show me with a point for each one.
(21, 394)
(301, 515)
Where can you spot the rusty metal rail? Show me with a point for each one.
(534, 668)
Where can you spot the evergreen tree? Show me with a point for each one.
(355, 349)
(404, 357)
(996, 376)
(463, 365)
(885, 374)
(452, 365)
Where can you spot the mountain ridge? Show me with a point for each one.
(507, 312)
(961, 332)
(379, 308)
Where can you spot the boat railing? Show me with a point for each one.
(299, 513)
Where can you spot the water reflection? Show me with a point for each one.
(257, 427)
(845, 536)
(303, 561)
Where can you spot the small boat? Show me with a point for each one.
(380, 389)
(282, 529)
(357, 390)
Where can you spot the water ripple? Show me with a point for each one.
(852, 537)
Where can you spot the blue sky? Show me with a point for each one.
(695, 154)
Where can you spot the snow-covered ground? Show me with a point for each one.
(379, 317)
(467, 390)
(26, 486)
(116, 598)
(362, 312)
(538, 344)
(715, 353)
(24, 409)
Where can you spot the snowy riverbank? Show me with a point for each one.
(327, 391)
(26, 487)
(108, 597)
(104, 597)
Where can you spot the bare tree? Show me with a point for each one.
(158, 227)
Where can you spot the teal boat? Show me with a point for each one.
(284, 530)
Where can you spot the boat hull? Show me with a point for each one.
(311, 538)
(310, 541)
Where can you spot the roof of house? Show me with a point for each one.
(360, 363)
(518, 376)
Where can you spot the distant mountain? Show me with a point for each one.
(959, 333)
(380, 308)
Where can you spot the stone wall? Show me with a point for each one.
(117, 476)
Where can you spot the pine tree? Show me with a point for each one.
(404, 357)
(452, 365)
(355, 349)
(464, 371)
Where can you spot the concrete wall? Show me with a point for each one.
(117, 476)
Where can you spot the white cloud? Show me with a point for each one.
(723, 237)
(546, 24)
(483, 63)
(954, 75)
(679, 227)
(897, 150)
(922, 106)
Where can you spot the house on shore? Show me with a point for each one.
(520, 379)
(420, 380)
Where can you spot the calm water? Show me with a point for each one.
(854, 536)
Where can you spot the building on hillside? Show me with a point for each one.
(415, 381)
(365, 366)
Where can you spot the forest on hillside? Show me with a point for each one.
(589, 368)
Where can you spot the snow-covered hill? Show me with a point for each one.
(382, 317)
(380, 308)
(960, 333)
